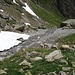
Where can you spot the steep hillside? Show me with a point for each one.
(47, 4)
(36, 49)
(67, 8)
(47, 10)
(17, 15)
(14, 13)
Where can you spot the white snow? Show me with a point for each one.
(1, 10)
(15, 2)
(9, 39)
(27, 24)
(22, 13)
(28, 9)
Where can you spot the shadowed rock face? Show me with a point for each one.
(66, 7)
(47, 4)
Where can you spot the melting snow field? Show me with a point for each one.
(9, 39)
(27, 8)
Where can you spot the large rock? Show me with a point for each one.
(8, 27)
(57, 54)
(62, 73)
(2, 72)
(19, 27)
(73, 46)
(34, 54)
(64, 61)
(66, 7)
(28, 73)
(66, 68)
(25, 63)
(21, 70)
(36, 58)
(65, 47)
(70, 23)
(54, 47)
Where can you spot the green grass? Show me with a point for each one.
(70, 39)
(45, 67)
(12, 66)
(41, 66)
(12, 63)
(51, 16)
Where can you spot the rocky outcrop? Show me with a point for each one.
(25, 63)
(2, 72)
(57, 54)
(49, 5)
(70, 23)
(66, 7)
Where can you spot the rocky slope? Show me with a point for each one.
(14, 16)
(65, 7)
(38, 61)
(44, 53)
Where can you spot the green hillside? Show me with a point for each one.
(47, 13)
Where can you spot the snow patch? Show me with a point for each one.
(15, 2)
(28, 9)
(22, 13)
(27, 24)
(9, 39)
(1, 10)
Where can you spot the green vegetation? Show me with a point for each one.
(70, 39)
(48, 13)
(45, 67)
(47, 4)
(39, 67)
(11, 64)
(51, 16)
(69, 56)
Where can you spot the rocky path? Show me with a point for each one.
(48, 36)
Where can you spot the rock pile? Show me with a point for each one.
(69, 24)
